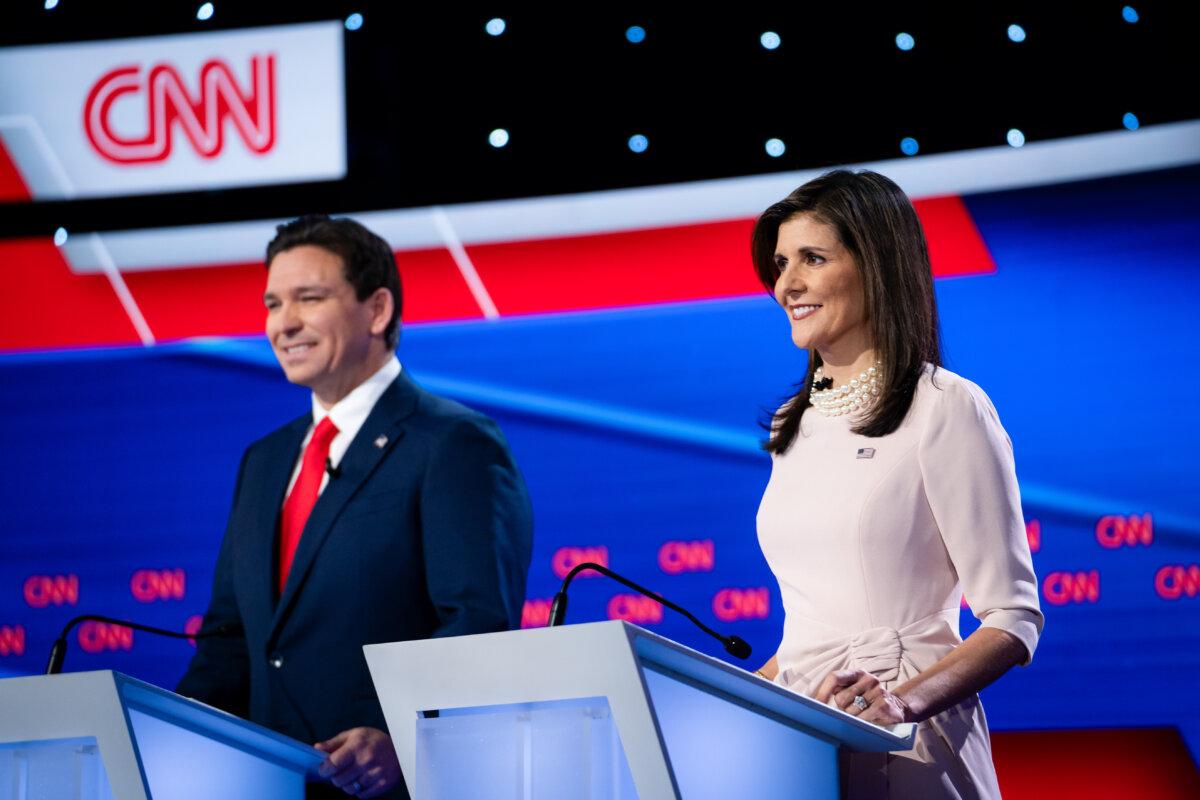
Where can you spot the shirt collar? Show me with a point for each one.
(351, 411)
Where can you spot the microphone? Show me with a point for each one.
(734, 645)
(334, 472)
(58, 652)
(823, 384)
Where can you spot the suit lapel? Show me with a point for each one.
(378, 435)
(279, 461)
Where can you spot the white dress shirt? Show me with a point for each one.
(348, 415)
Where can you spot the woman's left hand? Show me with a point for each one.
(881, 706)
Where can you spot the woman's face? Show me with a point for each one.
(820, 288)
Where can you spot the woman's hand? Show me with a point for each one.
(877, 704)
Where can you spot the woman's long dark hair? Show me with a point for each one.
(876, 222)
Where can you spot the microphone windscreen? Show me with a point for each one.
(737, 647)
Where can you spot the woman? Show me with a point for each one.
(892, 489)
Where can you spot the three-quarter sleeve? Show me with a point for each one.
(970, 482)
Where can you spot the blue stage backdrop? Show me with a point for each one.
(637, 430)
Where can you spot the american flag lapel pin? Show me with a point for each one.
(381, 442)
(866, 452)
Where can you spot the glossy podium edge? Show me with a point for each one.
(98, 704)
(600, 659)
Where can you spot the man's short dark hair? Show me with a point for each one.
(368, 261)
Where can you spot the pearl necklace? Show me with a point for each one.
(856, 395)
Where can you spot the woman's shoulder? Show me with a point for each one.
(942, 392)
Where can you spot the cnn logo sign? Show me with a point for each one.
(734, 604)
(1175, 581)
(96, 637)
(1115, 531)
(12, 640)
(566, 559)
(1060, 588)
(149, 585)
(535, 613)
(51, 590)
(634, 608)
(166, 104)
(677, 557)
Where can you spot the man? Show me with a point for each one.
(386, 514)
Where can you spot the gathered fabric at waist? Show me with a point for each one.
(810, 650)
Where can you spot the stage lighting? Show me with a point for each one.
(1130, 121)
(905, 41)
(354, 22)
(1128, 13)
(498, 137)
(50, 5)
(1016, 33)
(60, 235)
(636, 34)
(638, 143)
(495, 26)
(775, 147)
(1015, 137)
(770, 40)
(204, 12)
(909, 146)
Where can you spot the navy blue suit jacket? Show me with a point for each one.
(425, 532)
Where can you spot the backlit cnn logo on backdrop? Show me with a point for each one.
(167, 107)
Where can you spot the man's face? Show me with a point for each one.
(324, 337)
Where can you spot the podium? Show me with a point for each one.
(604, 711)
(106, 736)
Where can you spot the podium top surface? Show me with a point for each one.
(27, 696)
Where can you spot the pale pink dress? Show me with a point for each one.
(873, 555)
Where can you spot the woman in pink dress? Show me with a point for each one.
(893, 490)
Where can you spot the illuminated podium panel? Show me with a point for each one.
(106, 736)
(604, 711)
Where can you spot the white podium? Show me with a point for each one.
(106, 736)
(604, 711)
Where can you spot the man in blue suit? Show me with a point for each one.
(386, 514)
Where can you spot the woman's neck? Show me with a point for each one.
(844, 368)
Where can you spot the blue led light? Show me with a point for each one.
(354, 22)
(1016, 33)
(204, 12)
(1015, 138)
(770, 40)
(909, 146)
(498, 137)
(636, 34)
(1131, 121)
(638, 143)
(775, 147)
(60, 237)
(1128, 13)
(905, 41)
(495, 26)
(50, 5)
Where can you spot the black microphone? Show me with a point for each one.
(823, 384)
(734, 645)
(334, 472)
(58, 651)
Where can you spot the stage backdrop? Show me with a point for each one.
(630, 371)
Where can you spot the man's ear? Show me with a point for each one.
(381, 304)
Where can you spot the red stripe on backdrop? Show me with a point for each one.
(44, 304)
(1095, 764)
(686, 262)
(227, 300)
(12, 185)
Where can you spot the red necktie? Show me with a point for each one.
(303, 497)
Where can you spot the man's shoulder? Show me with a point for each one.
(437, 415)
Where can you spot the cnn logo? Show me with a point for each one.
(1175, 581)
(566, 559)
(1116, 531)
(677, 557)
(634, 608)
(1060, 588)
(733, 604)
(51, 590)
(96, 637)
(167, 105)
(150, 585)
(535, 613)
(12, 640)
